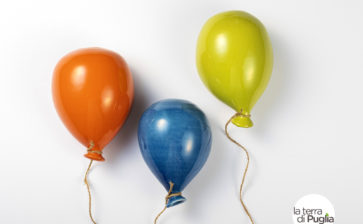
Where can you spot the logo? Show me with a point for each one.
(313, 208)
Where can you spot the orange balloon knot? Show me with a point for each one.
(94, 153)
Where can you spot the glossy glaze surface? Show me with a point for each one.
(175, 141)
(234, 60)
(93, 92)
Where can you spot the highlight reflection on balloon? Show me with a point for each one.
(93, 92)
(175, 140)
(234, 60)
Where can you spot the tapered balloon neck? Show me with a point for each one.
(242, 121)
(175, 200)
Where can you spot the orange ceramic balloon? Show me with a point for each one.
(93, 91)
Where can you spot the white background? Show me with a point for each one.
(307, 136)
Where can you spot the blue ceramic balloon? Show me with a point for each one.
(175, 141)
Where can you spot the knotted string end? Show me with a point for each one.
(94, 153)
(171, 199)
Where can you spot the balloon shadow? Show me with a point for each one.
(277, 92)
(210, 175)
(126, 139)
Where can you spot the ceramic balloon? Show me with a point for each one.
(175, 141)
(234, 60)
(93, 92)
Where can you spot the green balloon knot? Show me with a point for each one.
(242, 121)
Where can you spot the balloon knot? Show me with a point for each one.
(170, 195)
(241, 114)
(90, 148)
(94, 153)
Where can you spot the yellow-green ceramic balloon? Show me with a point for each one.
(234, 60)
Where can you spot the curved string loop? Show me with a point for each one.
(248, 161)
(168, 196)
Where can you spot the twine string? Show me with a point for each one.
(87, 184)
(248, 161)
(168, 196)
